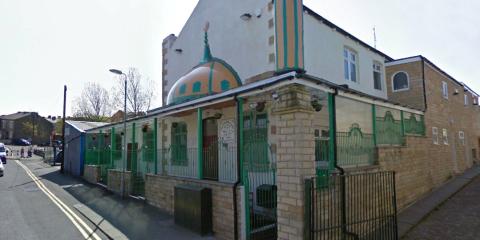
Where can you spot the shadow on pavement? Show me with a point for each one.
(134, 218)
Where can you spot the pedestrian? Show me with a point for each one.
(22, 152)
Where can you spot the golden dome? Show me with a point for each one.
(210, 77)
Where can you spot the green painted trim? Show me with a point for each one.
(210, 78)
(303, 37)
(374, 124)
(155, 143)
(200, 142)
(402, 123)
(133, 161)
(285, 35)
(295, 9)
(112, 145)
(240, 144)
(230, 68)
(332, 131)
(276, 35)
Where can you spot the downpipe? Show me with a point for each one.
(343, 198)
(235, 208)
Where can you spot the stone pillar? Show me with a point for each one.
(295, 158)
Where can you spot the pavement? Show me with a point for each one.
(449, 212)
(32, 215)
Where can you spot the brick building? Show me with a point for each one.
(26, 125)
(253, 123)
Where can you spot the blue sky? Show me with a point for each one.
(45, 44)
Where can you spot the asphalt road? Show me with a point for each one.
(30, 211)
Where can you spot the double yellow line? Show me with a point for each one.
(84, 229)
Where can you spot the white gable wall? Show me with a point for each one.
(242, 44)
(324, 57)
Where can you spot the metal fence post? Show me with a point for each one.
(308, 209)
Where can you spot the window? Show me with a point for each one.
(179, 144)
(377, 76)
(400, 82)
(445, 90)
(255, 132)
(461, 137)
(225, 85)
(197, 86)
(435, 135)
(183, 89)
(466, 99)
(350, 65)
(445, 136)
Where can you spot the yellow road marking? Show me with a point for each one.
(77, 221)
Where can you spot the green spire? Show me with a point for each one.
(207, 54)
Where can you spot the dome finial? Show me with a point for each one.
(207, 54)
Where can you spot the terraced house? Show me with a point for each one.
(279, 124)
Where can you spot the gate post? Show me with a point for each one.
(293, 120)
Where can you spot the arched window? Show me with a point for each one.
(400, 81)
(197, 86)
(183, 89)
(225, 85)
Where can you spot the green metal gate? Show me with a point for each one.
(143, 159)
(98, 153)
(259, 179)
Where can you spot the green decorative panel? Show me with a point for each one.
(355, 148)
(389, 130)
(414, 124)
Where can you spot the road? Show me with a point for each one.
(38, 208)
(457, 219)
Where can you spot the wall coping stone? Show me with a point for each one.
(193, 180)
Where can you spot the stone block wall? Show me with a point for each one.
(92, 174)
(294, 119)
(159, 192)
(413, 97)
(115, 181)
(411, 163)
(450, 156)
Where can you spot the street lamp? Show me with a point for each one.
(124, 158)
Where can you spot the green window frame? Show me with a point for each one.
(183, 89)
(179, 144)
(148, 146)
(255, 129)
(225, 85)
(197, 86)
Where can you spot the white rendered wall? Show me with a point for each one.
(324, 57)
(242, 44)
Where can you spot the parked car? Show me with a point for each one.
(21, 142)
(2, 169)
(3, 153)
(58, 158)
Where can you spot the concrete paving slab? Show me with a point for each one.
(414, 214)
(104, 225)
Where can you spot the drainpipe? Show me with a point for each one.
(239, 104)
(333, 149)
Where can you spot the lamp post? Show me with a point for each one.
(124, 158)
